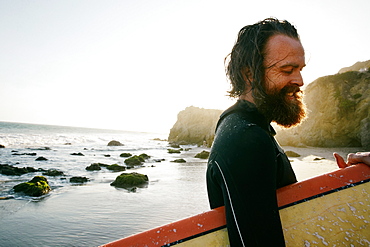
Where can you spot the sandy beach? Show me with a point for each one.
(306, 166)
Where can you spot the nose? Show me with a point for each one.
(298, 80)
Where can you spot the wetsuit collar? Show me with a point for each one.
(251, 113)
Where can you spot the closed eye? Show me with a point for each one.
(288, 72)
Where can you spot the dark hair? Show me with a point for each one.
(245, 62)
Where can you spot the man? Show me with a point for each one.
(246, 165)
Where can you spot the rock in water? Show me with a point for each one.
(78, 180)
(179, 161)
(41, 158)
(53, 173)
(202, 155)
(129, 180)
(93, 167)
(134, 161)
(292, 154)
(38, 186)
(115, 143)
(125, 155)
(116, 168)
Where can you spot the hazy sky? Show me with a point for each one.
(134, 64)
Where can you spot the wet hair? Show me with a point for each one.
(245, 62)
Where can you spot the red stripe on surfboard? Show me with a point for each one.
(323, 183)
(215, 218)
(175, 231)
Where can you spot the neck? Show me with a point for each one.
(247, 96)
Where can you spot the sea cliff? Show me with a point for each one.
(338, 114)
(195, 125)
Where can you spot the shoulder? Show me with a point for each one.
(236, 131)
(237, 124)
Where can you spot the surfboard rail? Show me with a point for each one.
(214, 220)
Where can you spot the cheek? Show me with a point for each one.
(274, 81)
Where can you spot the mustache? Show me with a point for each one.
(291, 89)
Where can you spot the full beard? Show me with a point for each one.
(285, 110)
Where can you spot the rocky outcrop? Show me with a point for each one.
(116, 168)
(195, 126)
(339, 113)
(202, 155)
(359, 66)
(53, 173)
(78, 180)
(10, 170)
(134, 161)
(94, 167)
(38, 186)
(129, 180)
(115, 143)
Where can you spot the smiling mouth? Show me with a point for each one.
(294, 94)
(291, 95)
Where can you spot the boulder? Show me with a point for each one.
(195, 126)
(129, 180)
(173, 151)
(78, 154)
(292, 154)
(41, 158)
(78, 180)
(38, 186)
(115, 143)
(10, 170)
(30, 154)
(144, 156)
(179, 161)
(116, 168)
(125, 155)
(93, 167)
(134, 161)
(53, 173)
(202, 155)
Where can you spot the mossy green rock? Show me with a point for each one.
(125, 155)
(179, 161)
(93, 167)
(53, 173)
(127, 180)
(202, 155)
(174, 151)
(78, 180)
(38, 186)
(144, 156)
(116, 168)
(134, 161)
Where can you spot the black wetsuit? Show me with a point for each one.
(245, 167)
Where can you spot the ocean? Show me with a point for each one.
(95, 213)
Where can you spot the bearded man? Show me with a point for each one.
(246, 164)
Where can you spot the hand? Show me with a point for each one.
(360, 157)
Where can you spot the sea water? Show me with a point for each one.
(95, 212)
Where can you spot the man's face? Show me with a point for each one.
(284, 60)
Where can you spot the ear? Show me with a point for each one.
(247, 76)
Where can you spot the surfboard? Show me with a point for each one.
(332, 209)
